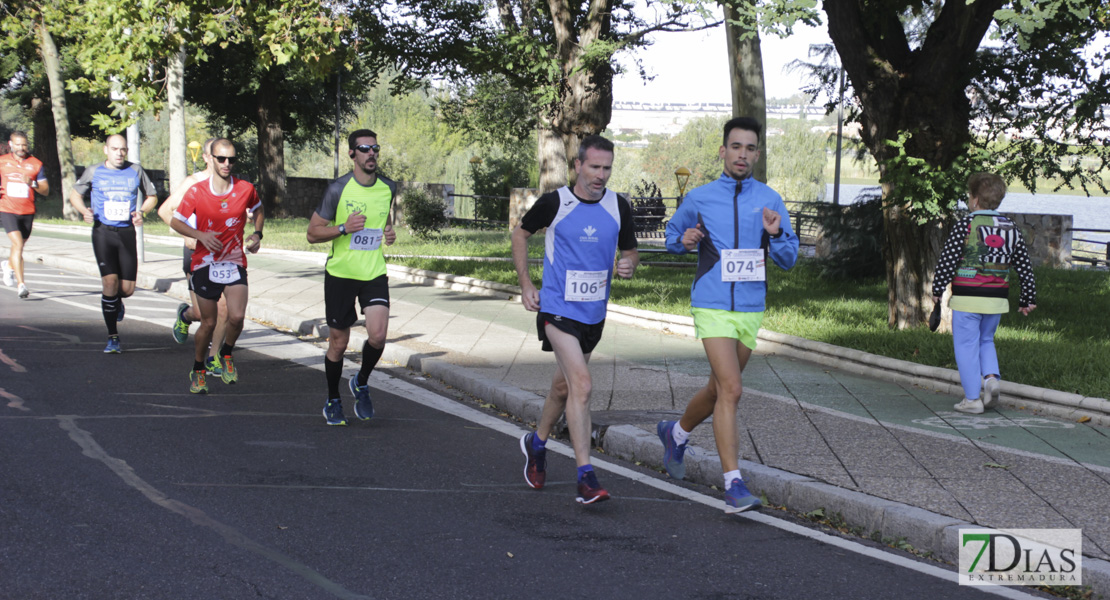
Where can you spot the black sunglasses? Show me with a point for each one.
(227, 159)
(364, 148)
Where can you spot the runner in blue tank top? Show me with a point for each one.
(734, 223)
(585, 227)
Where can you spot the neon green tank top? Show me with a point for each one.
(360, 255)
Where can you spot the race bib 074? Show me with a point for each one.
(743, 265)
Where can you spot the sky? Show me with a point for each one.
(693, 67)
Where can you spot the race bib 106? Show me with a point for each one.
(586, 286)
(743, 265)
(223, 272)
(367, 239)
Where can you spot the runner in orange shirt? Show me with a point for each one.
(21, 177)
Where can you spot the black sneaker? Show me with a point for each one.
(590, 491)
(535, 462)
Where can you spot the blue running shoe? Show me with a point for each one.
(590, 491)
(113, 345)
(672, 452)
(535, 462)
(333, 412)
(364, 409)
(119, 315)
(214, 367)
(739, 499)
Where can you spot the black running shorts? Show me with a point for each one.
(340, 294)
(114, 248)
(205, 288)
(21, 223)
(588, 335)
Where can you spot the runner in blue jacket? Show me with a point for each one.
(734, 224)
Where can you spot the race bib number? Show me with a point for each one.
(117, 210)
(223, 272)
(18, 189)
(586, 286)
(743, 265)
(367, 239)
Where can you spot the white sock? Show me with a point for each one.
(679, 434)
(730, 476)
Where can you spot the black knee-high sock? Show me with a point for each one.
(334, 371)
(110, 307)
(370, 356)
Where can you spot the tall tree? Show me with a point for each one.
(562, 52)
(915, 67)
(29, 25)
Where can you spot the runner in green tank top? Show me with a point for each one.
(354, 217)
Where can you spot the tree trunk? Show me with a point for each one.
(271, 147)
(745, 66)
(585, 106)
(910, 251)
(46, 143)
(52, 64)
(551, 154)
(175, 103)
(920, 92)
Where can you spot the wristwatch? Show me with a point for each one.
(342, 229)
(259, 233)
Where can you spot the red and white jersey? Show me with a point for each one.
(17, 197)
(223, 214)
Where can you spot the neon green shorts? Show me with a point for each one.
(714, 322)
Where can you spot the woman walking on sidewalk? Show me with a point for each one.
(976, 259)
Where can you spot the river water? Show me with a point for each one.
(1087, 212)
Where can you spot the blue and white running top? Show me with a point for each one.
(115, 192)
(580, 248)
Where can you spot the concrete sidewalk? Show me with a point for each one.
(884, 450)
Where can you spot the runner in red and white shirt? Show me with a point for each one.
(220, 206)
(21, 177)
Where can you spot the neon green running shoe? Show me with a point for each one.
(214, 367)
(180, 327)
(197, 384)
(230, 374)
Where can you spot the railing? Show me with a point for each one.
(466, 210)
(1086, 254)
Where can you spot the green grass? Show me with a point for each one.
(1056, 347)
(1062, 345)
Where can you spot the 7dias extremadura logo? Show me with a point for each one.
(1021, 557)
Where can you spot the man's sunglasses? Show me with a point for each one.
(227, 159)
(364, 148)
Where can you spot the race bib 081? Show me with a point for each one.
(367, 239)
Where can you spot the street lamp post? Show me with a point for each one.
(682, 176)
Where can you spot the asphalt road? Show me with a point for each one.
(115, 482)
